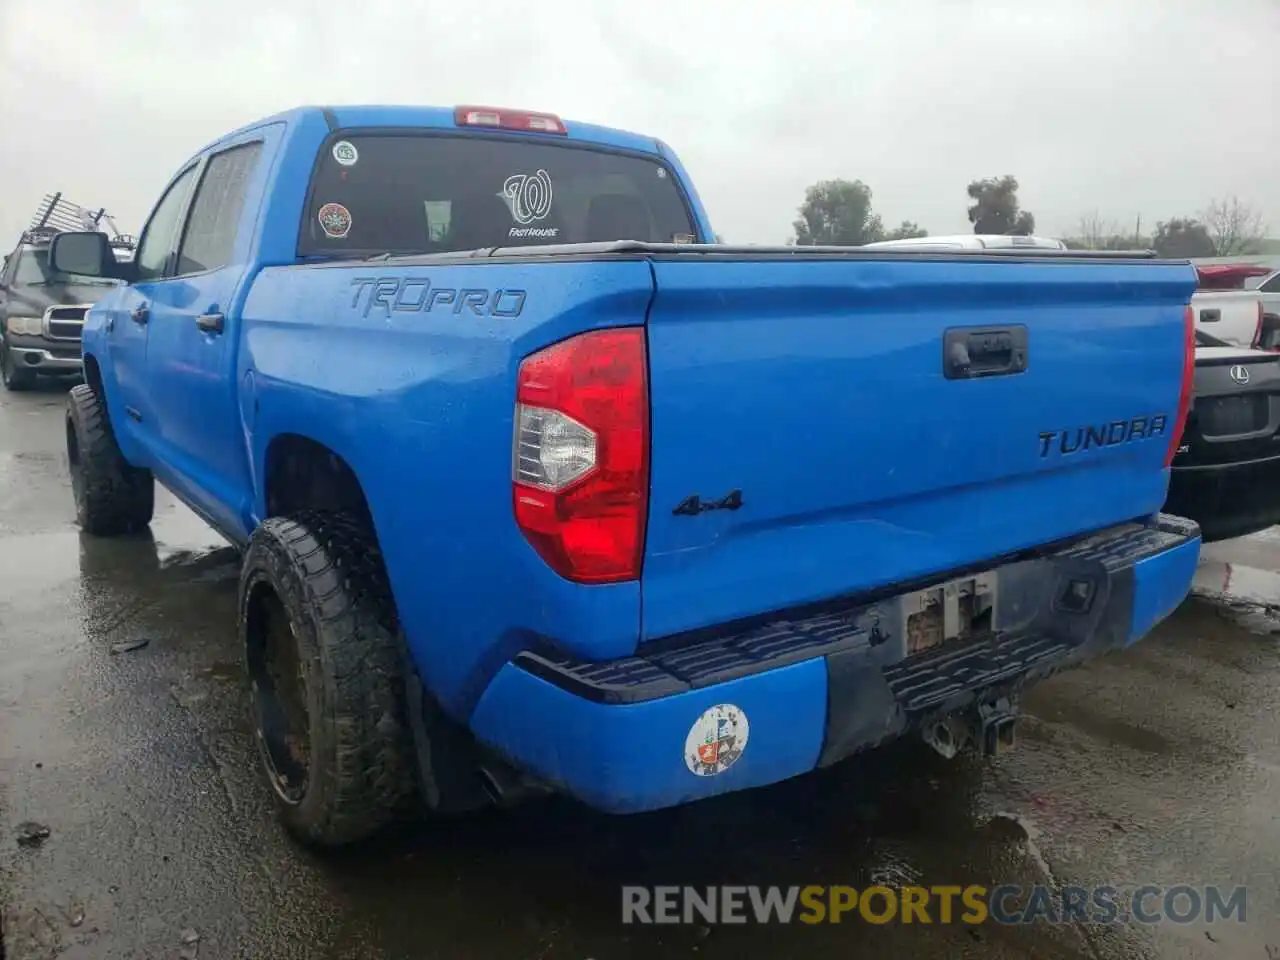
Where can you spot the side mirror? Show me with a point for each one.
(85, 254)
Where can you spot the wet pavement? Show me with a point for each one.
(123, 732)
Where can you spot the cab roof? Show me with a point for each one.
(438, 118)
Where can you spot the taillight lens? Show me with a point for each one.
(1188, 384)
(580, 475)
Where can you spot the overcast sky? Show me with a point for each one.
(1135, 107)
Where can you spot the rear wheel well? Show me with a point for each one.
(305, 476)
(306, 480)
(93, 376)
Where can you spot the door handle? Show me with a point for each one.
(969, 353)
(140, 314)
(210, 322)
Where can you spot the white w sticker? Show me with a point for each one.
(529, 196)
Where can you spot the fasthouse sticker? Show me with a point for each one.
(529, 198)
(345, 152)
(335, 220)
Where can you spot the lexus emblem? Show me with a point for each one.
(1240, 374)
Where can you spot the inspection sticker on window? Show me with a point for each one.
(345, 152)
(528, 196)
(335, 220)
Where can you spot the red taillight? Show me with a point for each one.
(501, 119)
(580, 475)
(1188, 384)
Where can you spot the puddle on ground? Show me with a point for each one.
(1234, 582)
(1247, 596)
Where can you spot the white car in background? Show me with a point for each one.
(970, 241)
(1231, 316)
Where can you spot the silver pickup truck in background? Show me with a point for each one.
(1268, 289)
(1226, 309)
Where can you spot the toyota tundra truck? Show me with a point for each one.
(538, 488)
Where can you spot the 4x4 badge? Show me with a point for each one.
(692, 506)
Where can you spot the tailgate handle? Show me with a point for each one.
(971, 352)
(1210, 316)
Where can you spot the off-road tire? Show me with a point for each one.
(13, 377)
(112, 496)
(327, 574)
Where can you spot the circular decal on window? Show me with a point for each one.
(335, 220)
(716, 740)
(344, 151)
(528, 195)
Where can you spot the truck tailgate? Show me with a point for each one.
(807, 442)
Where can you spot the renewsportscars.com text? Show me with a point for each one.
(972, 904)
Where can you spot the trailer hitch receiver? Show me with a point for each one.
(995, 725)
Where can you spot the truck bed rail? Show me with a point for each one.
(714, 251)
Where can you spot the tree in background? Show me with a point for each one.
(1095, 233)
(837, 212)
(1235, 228)
(1183, 237)
(995, 207)
(905, 231)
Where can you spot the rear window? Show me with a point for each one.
(437, 194)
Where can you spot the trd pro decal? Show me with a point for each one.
(382, 296)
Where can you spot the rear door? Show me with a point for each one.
(811, 436)
(194, 325)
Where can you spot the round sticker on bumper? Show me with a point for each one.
(716, 740)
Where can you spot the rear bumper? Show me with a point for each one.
(819, 687)
(1227, 500)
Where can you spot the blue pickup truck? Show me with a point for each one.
(538, 488)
